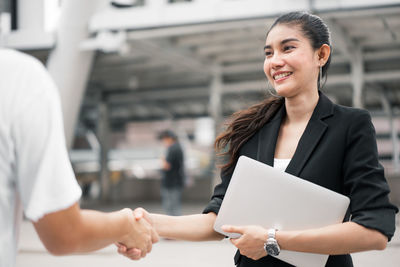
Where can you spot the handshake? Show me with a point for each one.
(196, 227)
(138, 242)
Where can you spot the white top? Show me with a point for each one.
(281, 164)
(35, 172)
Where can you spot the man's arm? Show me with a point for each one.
(165, 164)
(74, 230)
(45, 180)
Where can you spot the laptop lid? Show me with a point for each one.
(258, 194)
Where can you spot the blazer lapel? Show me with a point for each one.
(268, 136)
(312, 134)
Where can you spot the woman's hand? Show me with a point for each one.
(251, 243)
(136, 253)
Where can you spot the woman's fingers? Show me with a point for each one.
(233, 229)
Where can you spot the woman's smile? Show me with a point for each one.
(281, 75)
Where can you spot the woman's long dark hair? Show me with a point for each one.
(245, 123)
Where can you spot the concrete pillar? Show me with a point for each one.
(31, 15)
(69, 66)
(357, 77)
(103, 133)
(216, 88)
(393, 130)
(353, 52)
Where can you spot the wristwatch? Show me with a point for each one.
(272, 246)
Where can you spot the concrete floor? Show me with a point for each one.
(169, 253)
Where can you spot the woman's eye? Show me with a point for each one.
(268, 53)
(289, 47)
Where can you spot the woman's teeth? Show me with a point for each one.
(280, 76)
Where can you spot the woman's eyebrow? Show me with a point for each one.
(289, 40)
(283, 42)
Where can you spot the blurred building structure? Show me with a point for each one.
(124, 67)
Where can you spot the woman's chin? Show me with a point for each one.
(282, 91)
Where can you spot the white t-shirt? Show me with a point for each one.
(281, 164)
(35, 173)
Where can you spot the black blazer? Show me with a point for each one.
(338, 151)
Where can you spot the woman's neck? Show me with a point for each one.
(300, 107)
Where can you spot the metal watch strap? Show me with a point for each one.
(271, 233)
(271, 245)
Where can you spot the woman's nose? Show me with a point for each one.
(276, 60)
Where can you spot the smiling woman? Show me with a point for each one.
(327, 144)
(296, 51)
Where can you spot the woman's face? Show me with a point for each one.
(291, 63)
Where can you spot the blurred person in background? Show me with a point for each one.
(302, 132)
(36, 176)
(173, 176)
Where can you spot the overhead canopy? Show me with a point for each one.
(161, 67)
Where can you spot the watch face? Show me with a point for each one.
(272, 248)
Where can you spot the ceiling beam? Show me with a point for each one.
(355, 13)
(205, 39)
(258, 86)
(340, 38)
(169, 54)
(244, 44)
(188, 30)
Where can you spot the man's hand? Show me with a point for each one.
(135, 252)
(165, 164)
(251, 243)
(132, 253)
(139, 239)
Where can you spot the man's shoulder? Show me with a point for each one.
(15, 58)
(176, 147)
(175, 150)
(26, 77)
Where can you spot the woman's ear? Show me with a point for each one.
(323, 54)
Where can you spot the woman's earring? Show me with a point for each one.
(320, 77)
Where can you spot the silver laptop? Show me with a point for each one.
(258, 194)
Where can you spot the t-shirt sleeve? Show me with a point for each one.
(45, 180)
(364, 179)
